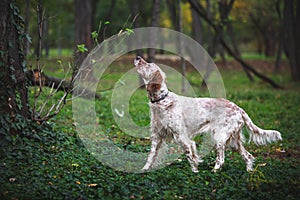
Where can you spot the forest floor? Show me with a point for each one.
(50, 161)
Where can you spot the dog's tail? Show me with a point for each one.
(257, 135)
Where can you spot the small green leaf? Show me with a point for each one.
(81, 48)
(94, 34)
(129, 31)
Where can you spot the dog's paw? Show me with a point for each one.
(214, 170)
(146, 168)
(195, 169)
(250, 169)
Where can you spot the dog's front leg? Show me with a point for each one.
(156, 143)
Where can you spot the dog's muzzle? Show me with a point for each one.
(137, 60)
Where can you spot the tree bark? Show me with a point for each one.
(173, 14)
(94, 23)
(211, 48)
(291, 23)
(176, 17)
(83, 28)
(13, 89)
(182, 61)
(280, 37)
(107, 18)
(232, 38)
(135, 9)
(26, 27)
(197, 32)
(154, 23)
(46, 45)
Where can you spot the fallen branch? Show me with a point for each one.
(248, 67)
(37, 78)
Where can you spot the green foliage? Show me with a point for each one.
(81, 48)
(129, 31)
(95, 36)
(50, 161)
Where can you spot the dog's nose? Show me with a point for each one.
(137, 60)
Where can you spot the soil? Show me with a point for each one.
(263, 66)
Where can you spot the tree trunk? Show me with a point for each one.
(173, 14)
(135, 9)
(270, 42)
(59, 37)
(83, 28)
(197, 32)
(154, 23)
(232, 38)
(107, 18)
(26, 27)
(46, 46)
(176, 17)
(211, 49)
(280, 37)
(13, 89)
(291, 23)
(94, 23)
(182, 61)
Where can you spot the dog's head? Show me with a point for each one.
(150, 72)
(154, 78)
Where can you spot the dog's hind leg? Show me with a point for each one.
(220, 147)
(195, 152)
(247, 157)
(190, 150)
(237, 144)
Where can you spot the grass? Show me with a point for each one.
(51, 162)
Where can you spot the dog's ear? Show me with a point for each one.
(152, 88)
(155, 84)
(157, 78)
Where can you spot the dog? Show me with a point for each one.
(182, 118)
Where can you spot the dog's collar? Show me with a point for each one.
(161, 98)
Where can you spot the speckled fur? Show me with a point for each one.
(182, 118)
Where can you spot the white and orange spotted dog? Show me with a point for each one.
(182, 118)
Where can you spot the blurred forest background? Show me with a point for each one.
(266, 29)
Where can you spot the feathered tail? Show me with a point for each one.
(257, 135)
